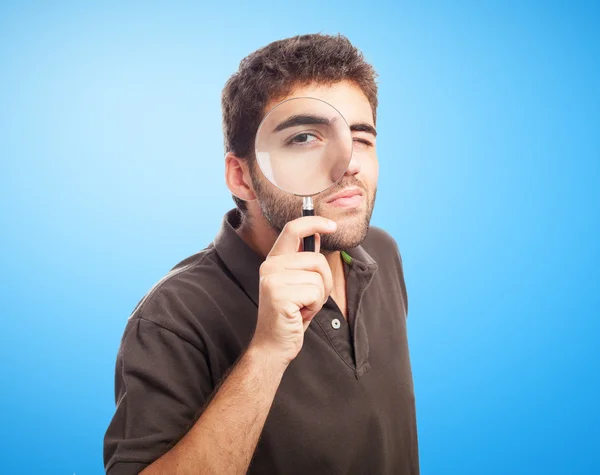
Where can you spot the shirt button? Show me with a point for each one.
(335, 323)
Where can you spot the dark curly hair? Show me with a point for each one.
(272, 72)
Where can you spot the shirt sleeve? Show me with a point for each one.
(162, 381)
(401, 279)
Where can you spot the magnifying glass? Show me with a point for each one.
(304, 146)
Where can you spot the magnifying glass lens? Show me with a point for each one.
(303, 146)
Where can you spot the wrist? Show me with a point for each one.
(266, 358)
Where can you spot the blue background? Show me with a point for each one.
(112, 172)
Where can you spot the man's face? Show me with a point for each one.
(351, 214)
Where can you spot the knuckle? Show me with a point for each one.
(318, 293)
(314, 258)
(322, 260)
(268, 267)
(267, 281)
(289, 227)
(288, 308)
(262, 271)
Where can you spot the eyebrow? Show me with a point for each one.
(301, 119)
(363, 127)
(307, 119)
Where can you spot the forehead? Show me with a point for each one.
(344, 96)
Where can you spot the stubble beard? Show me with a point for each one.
(279, 207)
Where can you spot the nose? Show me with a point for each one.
(353, 167)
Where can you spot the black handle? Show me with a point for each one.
(308, 243)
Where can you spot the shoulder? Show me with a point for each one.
(381, 246)
(174, 301)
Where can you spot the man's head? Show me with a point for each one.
(327, 68)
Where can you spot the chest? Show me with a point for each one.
(326, 419)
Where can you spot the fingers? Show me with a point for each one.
(294, 291)
(304, 289)
(290, 238)
(296, 278)
(314, 262)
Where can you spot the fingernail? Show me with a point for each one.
(331, 224)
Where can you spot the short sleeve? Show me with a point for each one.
(162, 381)
(401, 278)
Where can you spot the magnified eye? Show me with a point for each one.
(303, 138)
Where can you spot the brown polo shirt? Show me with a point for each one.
(345, 405)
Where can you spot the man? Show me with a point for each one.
(254, 357)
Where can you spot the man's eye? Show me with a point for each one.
(362, 141)
(303, 138)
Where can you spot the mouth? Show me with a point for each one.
(347, 198)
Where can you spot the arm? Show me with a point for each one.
(223, 440)
(163, 374)
(293, 288)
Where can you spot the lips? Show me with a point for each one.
(344, 194)
(349, 198)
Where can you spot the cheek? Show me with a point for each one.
(376, 170)
(280, 198)
(370, 171)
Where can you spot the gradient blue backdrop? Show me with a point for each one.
(111, 172)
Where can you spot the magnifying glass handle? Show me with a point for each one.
(309, 241)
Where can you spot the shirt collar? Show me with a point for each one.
(244, 263)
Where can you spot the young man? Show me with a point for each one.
(253, 357)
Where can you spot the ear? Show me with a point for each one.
(237, 177)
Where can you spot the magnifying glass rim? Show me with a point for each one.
(265, 118)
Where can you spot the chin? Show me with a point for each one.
(348, 235)
(353, 226)
(341, 242)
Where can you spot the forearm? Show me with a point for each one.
(224, 438)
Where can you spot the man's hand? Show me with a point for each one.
(294, 286)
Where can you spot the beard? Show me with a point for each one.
(279, 207)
